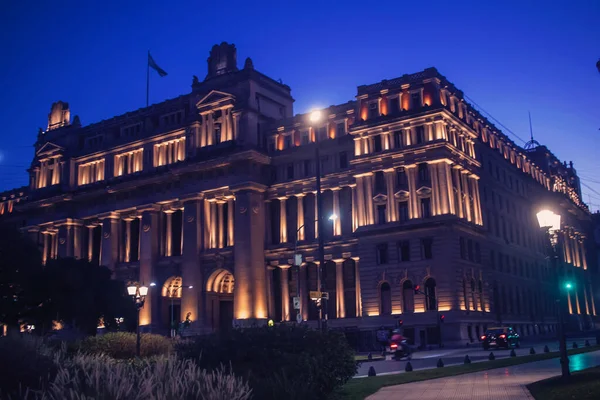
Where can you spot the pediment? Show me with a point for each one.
(215, 98)
(401, 194)
(380, 198)
(49, 149)
(424, 190)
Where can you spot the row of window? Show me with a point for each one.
(306, 168)
(470, 250)
(408, 296)
(505, 263)
(283, 141)
(403, 251)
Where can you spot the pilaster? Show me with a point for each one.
(109, 255)
(191, 271)
(149, 248)
(285, 292)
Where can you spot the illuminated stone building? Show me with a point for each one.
(215, 189)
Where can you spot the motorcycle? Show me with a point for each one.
(400, 349)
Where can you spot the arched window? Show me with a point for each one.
(385, 295)
(430, 296)
(408, 296)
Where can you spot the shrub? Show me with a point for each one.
(121, 345)
(279, 362)
(25, 362)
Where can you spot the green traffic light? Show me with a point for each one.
(568, 285)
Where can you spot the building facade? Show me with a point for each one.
(435, 208)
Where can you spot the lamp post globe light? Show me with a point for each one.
(138, 294)
(550, 222)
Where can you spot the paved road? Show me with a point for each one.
(493, 384)
(428, 359)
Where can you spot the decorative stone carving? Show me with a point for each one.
(146, 228)
(62, 240)
(106, 235)
(190, 218)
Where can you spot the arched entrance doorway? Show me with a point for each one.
(171, 303)
(219, 288)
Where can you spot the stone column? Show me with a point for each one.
(449, 188)
(207, 224)
(225, 125)
(191, 271)
(391, 199)
(413, 201)
(77, 236)
(109, 255)
(467, 195)
(339, 289)
(169, 233)
(354, 207)
(282, 221)
(149, 235)
(585, 296)
(230, 221)
(221, 223)
(457, 178)
(359, 312)
(270, 293)
(285, 292)
(476, 200)
(369, 199)
(236, 121)
(300, 216)
(435, 189)
(443, 188)
(360, 203)
(592, 302)
(337, 223)
(210, 130)
(128, 239)
(250, 294)
(213, 225)
(46, 249)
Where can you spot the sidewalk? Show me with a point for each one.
(493, 384)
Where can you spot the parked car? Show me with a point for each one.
(505, 337)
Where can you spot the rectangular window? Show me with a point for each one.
(306, 167)
(169, 152)
(379, 182)
(322, 133)
(416, 100)
(381, 214)
(271, 145)
(382, 253)
(324, 164)
(477, 253)
(305, 137)
(129, 163)
(404, 250)
(427, 248)
(343, 160)
(463, 248)
(287, 141)
(377, 143)
(426, 207)
(401, 180)
(423, 170)
(373, 110)
(340, 129)
(398, 140)
(89, 173)
(290, 171)
(420, 134)
(394, 105)
(403, 211)
(470, 250)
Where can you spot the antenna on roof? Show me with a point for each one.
(532, 144)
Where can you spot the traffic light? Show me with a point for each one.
(568, 285)
(442, 318)
(417, 289)
(400, 323)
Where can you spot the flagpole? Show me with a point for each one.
(147, 77)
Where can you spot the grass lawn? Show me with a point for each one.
(582, 385)
(358, 389)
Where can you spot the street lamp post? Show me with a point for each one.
(173, 294)
(138, 294)
(550, 222)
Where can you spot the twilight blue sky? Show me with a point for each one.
(510, 57)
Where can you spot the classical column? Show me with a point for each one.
(204, 130)
(476, 199)
(585, 297)
(339, 289)
(149, 248)
(213, 225)
(235, 131)
(285, 292)
(435, 189)
(578, 308)
(282, 220)
(359, 312)
(250, 294)
(413, 201)
(360, 203)
(354, 207)
(270, 293)
(337, 223)
(467, 195)
(369, 199)
(457, 178)
(391, 200)
(46, 249)
(109, 255)
(191, 269)
(224, 125)
(207, 225)
(583, 257)
(210, 130)
(69, 238)
(169, 233)
(357, 146)
(449, 188)
(592, 300)
(128, 239)
(221, 224)
(230, 221)
(300, 216)
(444, 193)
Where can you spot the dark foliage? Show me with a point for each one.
(279, 362)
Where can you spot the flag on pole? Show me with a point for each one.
(154, 66)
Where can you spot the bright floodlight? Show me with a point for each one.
(549, 220)
(131, 290)
(143, 291)
(152, 284)
(315, 116)
(190, 287)
(333, 217)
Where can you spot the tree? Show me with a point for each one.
(20, 264)
(79, 293)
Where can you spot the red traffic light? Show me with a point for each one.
(400, 322)
(442, 318)
(417, 288)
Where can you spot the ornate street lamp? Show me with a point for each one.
(138, 294)
(550, 222)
